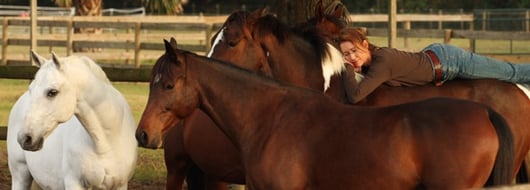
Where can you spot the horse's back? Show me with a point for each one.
(503, 97)
(464, 131)
(434, 141)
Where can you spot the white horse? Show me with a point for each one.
(71, 130)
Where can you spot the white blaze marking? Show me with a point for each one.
(331, 65)
(218, 38)
(525, 88)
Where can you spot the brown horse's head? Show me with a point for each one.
(329, 21)
(170, 98)
(234, 42)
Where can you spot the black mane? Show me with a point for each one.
(270, 24)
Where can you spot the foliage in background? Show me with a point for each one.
(94, 7)
(354, 6)
(163, 7)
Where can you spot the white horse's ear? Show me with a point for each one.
(37, 59)
(55, 59)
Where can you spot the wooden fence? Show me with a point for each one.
(130, 35)
(134, 38)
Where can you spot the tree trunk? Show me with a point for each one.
(88, 8)
(298, 11)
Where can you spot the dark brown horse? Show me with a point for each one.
(506, 98)
(297, 138)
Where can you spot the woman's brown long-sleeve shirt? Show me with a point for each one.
(392, 67)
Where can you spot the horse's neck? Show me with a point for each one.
(236, 100)
(295, 64)
(101, 113)
(301, 68)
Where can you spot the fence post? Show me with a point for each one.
(50, 30)
(447, 36)
(472, 45)
(209, 31)
(4, 40)
(440, 23)
(137, 44)
(461, 23)
(527, 19)
(406, 26)
(69, 36)
(484, 19)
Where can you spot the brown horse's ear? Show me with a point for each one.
(255, 15)
(259, 13)
(319, 11)
(170, 51)
(338, 11)
(173, 43)
(252, 19)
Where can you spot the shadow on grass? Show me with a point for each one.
(150, 171)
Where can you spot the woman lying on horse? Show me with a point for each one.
(436, 63)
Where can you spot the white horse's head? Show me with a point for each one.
(54, 95)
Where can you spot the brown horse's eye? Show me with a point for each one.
(169, 86)
(232, 43)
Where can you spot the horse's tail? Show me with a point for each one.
(504, 162)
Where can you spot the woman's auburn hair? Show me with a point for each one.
(356, 36)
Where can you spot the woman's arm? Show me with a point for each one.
(358, 90)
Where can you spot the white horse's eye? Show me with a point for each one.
(52, 93)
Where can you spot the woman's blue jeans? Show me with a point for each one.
(459, 63)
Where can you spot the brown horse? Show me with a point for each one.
(506, 98)
(297, 138)
(188, 149)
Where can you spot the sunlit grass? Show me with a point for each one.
(136, 95)
(9, 93)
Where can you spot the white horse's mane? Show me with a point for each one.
(93, 66)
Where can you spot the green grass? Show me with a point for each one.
(150, 169)
(10, 91)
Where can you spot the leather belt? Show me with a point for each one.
(438, 79)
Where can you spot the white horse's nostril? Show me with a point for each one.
(27, 140)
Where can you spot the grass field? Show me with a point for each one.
(150, 171)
